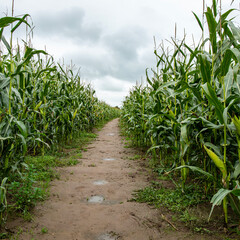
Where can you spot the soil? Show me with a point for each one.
(91, 200)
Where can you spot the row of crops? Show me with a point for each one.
(188, 115)
(42, 104)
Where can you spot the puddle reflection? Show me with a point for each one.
(96, 199)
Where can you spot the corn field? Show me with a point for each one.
(188, 115)
(41, 104)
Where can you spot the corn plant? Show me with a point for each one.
(42, 104)
(193, 113)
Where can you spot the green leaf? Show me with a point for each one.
(226, 62)
(228, 79)
(235, 31)
(213, 99)
(24, 144)
(236, 192)
(22, 128)
(195, 90)
(165, 85)
(5, 42)
(5, 99)
(6, 21)
(45, 70)
(211, 125)
(1, 33)
(18, 95)
(148, 80)
(225, 15)
(4, 81)
(205, 67)
(235, 53)
(218, 198)
(39, 140)
(4, 181)
(5, 138)
(194, 169)
(215, 148)
(212, 27)
(236, 171)
(22, 20)
(184, 135)
(236, 123)
(225, 112)
(218, 162)
(220, 195)
(38, 105)
(198, 20)
(30, 52)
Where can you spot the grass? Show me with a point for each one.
(173, 199)
(4, 235)
(178, 202)
(135, 157)
(189, 206)
(44, 230)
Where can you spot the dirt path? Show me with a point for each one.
(69, 214)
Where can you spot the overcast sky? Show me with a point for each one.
(110, 40)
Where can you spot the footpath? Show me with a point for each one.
(91, 199)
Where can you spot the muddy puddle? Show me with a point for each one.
(109, 159)
(96, 199)
(100, 182)
(101, 200)
(110, 134)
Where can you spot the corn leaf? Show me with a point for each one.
(213, 99)
(218, 162)
(236, 123)
(22, 128)
(195, 169)
(6, 21)
(205, 67)
(236, 171)
(218, 198)
(212, 25)
(22, 20)
(198, 20)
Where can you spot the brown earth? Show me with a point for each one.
(68, 214)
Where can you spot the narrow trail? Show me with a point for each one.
(90, 201)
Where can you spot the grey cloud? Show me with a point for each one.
(115, 54)
(125, 67)
(97, 68)
(110, 85)
(124, 43)
(68, 23)
(123, 60)
(111, 88)
(92, 65)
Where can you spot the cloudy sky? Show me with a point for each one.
(111, 41)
